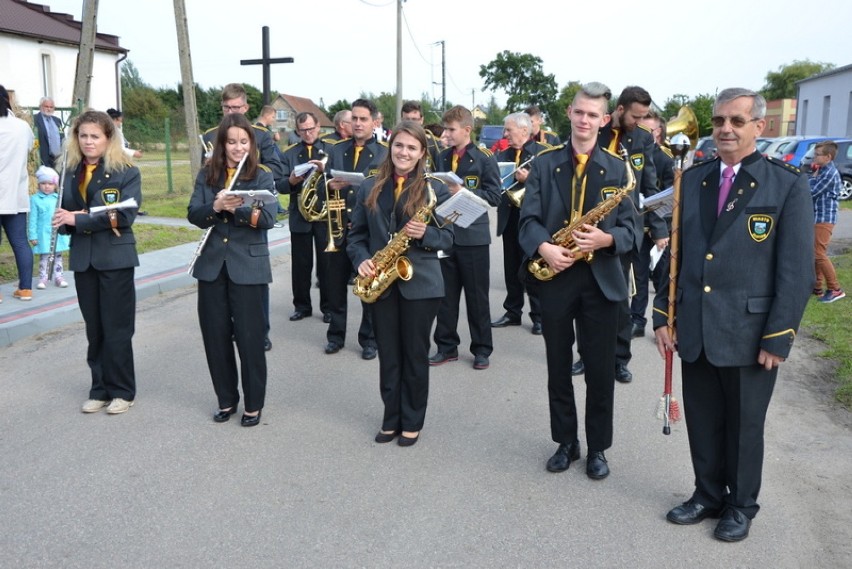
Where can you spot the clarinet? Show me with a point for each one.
(54, 233)
(209, 230)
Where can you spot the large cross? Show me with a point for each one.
(266, 61)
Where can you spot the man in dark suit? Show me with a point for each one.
(361, 153)
(50, 135)
(522, 149)
(744, 277)
(564, 184)
(467, 264)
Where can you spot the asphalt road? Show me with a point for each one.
(164, 486)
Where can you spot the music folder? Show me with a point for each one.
(250, 196)
(661, 203)
(463, 208)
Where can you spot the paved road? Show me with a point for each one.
(164, 486)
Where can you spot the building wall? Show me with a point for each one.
(825, 106)
(780, 118)
(21, 64)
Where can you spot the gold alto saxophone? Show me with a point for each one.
(540, 269)
(390, 261)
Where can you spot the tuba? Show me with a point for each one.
(540, 269)
(390, 261)
(308, 197)
(684, 123)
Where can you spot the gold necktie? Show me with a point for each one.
(581, 164)
(230, 174)
(397, 192)
(87, 177)
(310, 148)
(455, 162)
(517, 156)
(613, 144)
(358, 150)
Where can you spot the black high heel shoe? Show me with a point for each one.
(223, 415)
(382, 438)
(250, 421)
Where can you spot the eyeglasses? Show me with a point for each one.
(736, 122)
(306, 130)
(233, 108)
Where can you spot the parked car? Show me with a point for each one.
(777, 146)
(705, 149)
(843, 161)
(490, 134)
(763, 143)
(794, 152)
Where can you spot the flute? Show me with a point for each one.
(209, 230)
(54, 233)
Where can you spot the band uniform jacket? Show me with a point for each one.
(480, 174)
(530, 149)
(43, 145)
(547, 204)
(546, 137)
(433, 150)
(266, 150)
(639, 144)
(293, 156)
(743, 280)
(93, 242)
(372, 230)
(243, 249)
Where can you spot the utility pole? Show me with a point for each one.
(443, 76)
(190, 107)
(86, 55)
(398, 60)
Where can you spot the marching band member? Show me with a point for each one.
(522, 149)
(402, 317)
(103, 255)
(233, 270)
(538, 134)
(412, 111)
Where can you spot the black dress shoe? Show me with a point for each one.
(578, 368)
(386, 437)
(250, 421)
(596, 467)
(223, 415)
(298, 315)
(506, 320)
(622, 374)
(563, 456)
(369, 353)
(536, 329)
(441, 358)
(326, 318)
(480, 362)
(332, 348)
(407, 441)
(733, 526)
(690, 512)
(637, 331)
(267, 344)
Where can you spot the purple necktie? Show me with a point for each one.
(725, 188)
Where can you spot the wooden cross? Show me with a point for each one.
(266, 61)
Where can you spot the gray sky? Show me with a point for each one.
(350, 46)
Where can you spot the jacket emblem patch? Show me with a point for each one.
(760, 226)
(608, 192)
(110, 196)
(471, 182)
(638, 161)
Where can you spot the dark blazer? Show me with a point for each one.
(480, 174)
(547, 204)
(293, 156)
(371, 231)
(93, 242)
(342, 158)
(43, 146)
(530, 149)
(233, 243)
(743, 279)
(267, 153)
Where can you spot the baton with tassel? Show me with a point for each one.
(669, 408)
(54, 233)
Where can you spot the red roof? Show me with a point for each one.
(305, 105)
(22, 18)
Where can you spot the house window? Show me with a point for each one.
(281, 115)
(771, 125)
(46, 86)
(803, 123)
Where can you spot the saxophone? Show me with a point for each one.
(540, 269)
(390, 261)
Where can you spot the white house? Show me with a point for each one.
(38, 57)
(824, 104)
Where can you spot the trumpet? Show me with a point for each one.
(515, 196)
(207, 147)
(334, 208)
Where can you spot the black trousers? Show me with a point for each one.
(513, 258)
(466, 269)
(624, 327)
(107, 301)
(302, 246)
(402, 333)
(642, 273)
(574, 295)
(338, 271)
(725, 409)
(228, 310)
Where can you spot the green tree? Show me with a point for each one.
(144, 115)
(557, 111)
(521, 76)
(336, 107)
(673, 105)
(130, 78)
(781, 84)
(702, 106)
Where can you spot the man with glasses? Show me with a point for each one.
(743, 281)
(50, 135)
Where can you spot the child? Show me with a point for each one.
(42, 206)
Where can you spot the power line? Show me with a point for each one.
(407, 27)
(388, 3)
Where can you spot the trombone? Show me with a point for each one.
(515, 197)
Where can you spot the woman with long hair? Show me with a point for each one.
(103, 255)
(233, 269)
(403, 315)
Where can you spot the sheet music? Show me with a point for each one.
(126, 204)
(354, 178)
(249, 196)
(301, 170)
(448, 177)
(465, 206)
(661, 203)
(506, 169)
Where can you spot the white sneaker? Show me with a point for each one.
(61, 283)
(119, 405)
(93, 405)
(42, 284)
